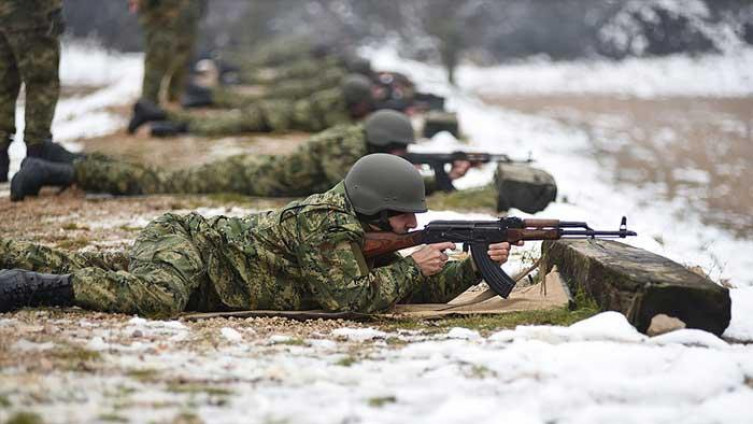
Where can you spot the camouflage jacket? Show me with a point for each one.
(19, 15)
(315, 166)
(169, 12)
(323, 109)
(308, 255)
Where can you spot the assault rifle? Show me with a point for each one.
(478, 235)
(437, 162)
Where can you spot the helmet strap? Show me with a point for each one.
(380, 220)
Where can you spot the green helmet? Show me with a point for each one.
(385, 127)
(358, 65)
(383, 182)
(356, 88)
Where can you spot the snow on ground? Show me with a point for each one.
(564, 151)
(595, 371)
(598, 370)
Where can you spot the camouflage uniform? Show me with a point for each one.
(306, 255)
(294, 89)
(301, 69)
(170, 32)
(320, 111)
(29, 53)
(314, 167)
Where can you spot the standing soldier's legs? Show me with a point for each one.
(38, 55)
(186, 33)
(157, 60)
(10, 84)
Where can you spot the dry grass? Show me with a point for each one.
(698, 149)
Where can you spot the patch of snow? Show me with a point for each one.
(29, 346)
(279, 338)
(741, 324)
(359, 334)
(690, 337)
(231, 335)
(463, 334)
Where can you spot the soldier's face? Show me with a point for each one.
(403, 223)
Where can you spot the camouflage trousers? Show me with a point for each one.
(166, 271)
(169, 47)
(288, 90)
(262, 116)
(242, 174)
(32, 57)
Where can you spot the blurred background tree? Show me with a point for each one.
(448, 31)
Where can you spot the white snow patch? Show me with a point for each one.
(690, 337)
(741, 324)
(359, 334)
(29, 346)
(279, 338)
(606, 326)
(231, 335)
(463, 334)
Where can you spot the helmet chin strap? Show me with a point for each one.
(380, 220)
(383, 222)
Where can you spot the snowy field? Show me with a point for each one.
(598, 370)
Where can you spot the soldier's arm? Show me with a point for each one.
(455, 278)
(339, 279)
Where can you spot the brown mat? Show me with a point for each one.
(548, 294)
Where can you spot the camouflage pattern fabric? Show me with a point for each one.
(304, 68)
(25, 255)
(29, 53)
(305, 256)
(170, 32)
(315, 166)
(320, 111)
(287, 90)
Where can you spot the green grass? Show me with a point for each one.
(76, 357)
(195, 388)
(145, 375)
(112, 417)
(73, 243)
(187, 417)
(25, 418)
(74, 226)
(480, 371)
(296, 341)
(470, 199)
(5, 402)
(378, 402)
(346, 361)
(488, 323)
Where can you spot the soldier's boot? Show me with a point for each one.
(168, 128)
(36, 173)
(196, 96)
(53, 152)
(145, 111)
(20, 288)
(4, 164)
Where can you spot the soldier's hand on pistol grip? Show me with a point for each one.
(459, 169)
(499, 252)
(431, 258)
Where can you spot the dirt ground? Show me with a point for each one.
(700, 149)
